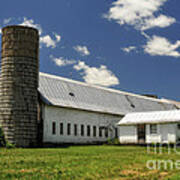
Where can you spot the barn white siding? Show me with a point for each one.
(78, 117)
(128, 134)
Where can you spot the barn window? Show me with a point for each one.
(100, 132)
(61, 128)
(82, 130)
(116, 132)
(106, 132)
(54, 128)
(153, 128)
(75, 129)
(69, 129)
(88, 130)
(94, 131)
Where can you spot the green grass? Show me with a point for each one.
(84, 162)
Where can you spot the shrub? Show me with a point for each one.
(2, 139)
(114, 141)
(3, 142)
(9, 145)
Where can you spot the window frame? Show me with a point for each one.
(153, 131)
(100, 132)
(116, 132)
(61, 128)
(88, 130)
(75, 130)
(106, 133)
(69, 129)
(82, 130)
(53, 128)
(94, 131)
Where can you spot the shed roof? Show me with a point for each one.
(58, 91)
(156, 117)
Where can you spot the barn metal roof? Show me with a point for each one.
(58, 91)
(157, 117)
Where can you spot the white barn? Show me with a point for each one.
(150, 127)
(76, 112)
(38, 108)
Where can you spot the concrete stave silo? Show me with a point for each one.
(19, 83)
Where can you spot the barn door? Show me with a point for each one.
(141, 131)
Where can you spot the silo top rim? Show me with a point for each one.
(19, 27)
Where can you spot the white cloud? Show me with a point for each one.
(83, 50)
(98, 76)
(128, 49)
(58, 37)
(46, 39)
(30, 23)
(49, 42)
(61, 61)
(161, 21)
(162, 47)
(6, 21)
(139, 13)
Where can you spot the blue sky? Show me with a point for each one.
(131, 45)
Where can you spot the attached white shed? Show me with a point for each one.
(150, 127)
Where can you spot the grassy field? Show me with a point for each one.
(84, 162)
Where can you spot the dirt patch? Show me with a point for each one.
(28, 170)
(163, 175)
(129, 172)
